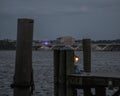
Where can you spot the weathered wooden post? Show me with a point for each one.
(62, 73)
(87, 61)
(23, 66)
(69, 70)
(63, 66)
(100, 90)
(56, 72)
(87, 55)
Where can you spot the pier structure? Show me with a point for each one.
(66, 81)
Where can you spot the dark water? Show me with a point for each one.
(43, 69)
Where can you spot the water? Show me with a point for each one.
(43, 69)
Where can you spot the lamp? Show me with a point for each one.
(76, 59)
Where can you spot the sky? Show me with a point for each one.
(95, 19)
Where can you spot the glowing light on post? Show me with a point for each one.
(76, 59)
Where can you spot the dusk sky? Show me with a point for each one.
(95, 19)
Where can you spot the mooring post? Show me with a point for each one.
(70, 70)
(62, 73)
(63, 66)
(23, 66)
(87, 61)
(56, 72)
(59, 73)
(87, 55)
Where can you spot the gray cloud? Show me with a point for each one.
(78, 18)
(54, 6)
(41, 8)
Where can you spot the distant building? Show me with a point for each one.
(66, 40)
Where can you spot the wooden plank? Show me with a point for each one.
(70, 70)
(70, 62)
(91, 80)
(56, 72)
(62, 73)
(98, 74)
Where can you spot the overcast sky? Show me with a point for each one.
(95, 19)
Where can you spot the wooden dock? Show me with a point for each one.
(99, 81)
(66, 81)
(95, 79)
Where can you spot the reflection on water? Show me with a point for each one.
(43, 69)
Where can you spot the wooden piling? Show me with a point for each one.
(63, 65)
(62, 73)
(23, 66)
(59, 73)
(56, 72)
(70, 91)
(87, 55)
(87, 62)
